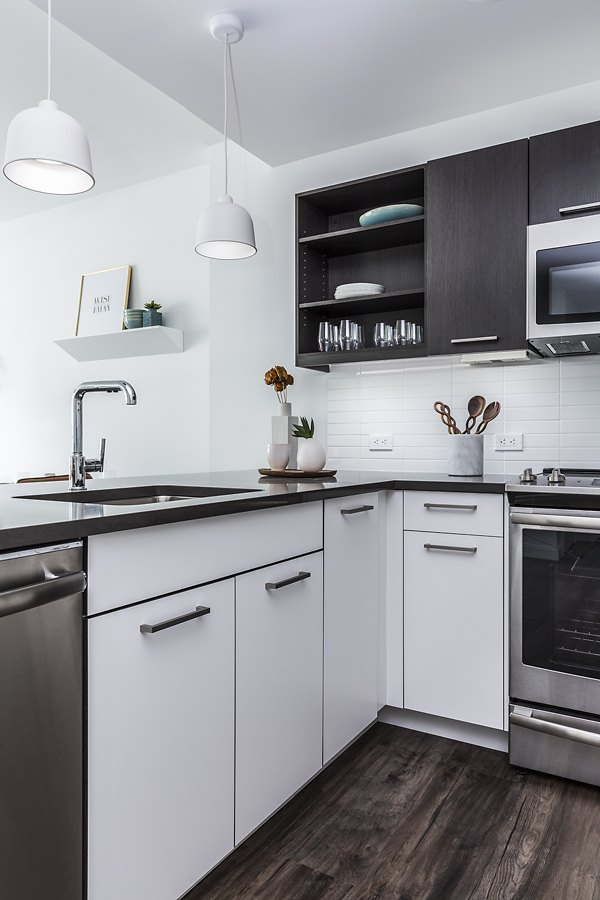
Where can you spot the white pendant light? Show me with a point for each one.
(47, 150)
(225, 229)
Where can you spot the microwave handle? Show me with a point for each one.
(583, 523)
(584, 207)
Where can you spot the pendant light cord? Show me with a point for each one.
(225, 64)
(49, 48)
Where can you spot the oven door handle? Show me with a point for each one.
(585, 523)
(546, 726)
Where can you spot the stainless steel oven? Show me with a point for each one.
(563, 286)
(555, 641)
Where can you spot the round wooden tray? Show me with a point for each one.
(297, 473)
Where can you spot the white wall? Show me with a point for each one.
(42, 257)
(252, 302)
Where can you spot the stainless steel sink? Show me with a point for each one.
(138, 496)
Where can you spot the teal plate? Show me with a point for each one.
(390, 213)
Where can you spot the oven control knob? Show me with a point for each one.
(556, 477)
(527, 477)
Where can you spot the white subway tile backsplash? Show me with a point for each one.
(543, 401)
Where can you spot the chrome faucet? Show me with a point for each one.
(79, 464)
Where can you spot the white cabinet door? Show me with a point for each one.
(279, 685)
(453, 626)
(161, 744)
(351, 604)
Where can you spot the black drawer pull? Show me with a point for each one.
(448, 547)
(275, 585)
(169, 623)
(355, 509)
(469, 507)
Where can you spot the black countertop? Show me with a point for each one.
(27, 522)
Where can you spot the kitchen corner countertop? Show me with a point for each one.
(26, 522)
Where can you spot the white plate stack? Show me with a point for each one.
(357, 289)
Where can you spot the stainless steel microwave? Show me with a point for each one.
(563, 287)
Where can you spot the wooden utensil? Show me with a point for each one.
(475, 407)
(443, 410)
(489, 413)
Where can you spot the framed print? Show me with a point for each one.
(102, 300)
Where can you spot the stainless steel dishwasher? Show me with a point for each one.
(41, 723)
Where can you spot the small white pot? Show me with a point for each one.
(278, 456)
(311, 455)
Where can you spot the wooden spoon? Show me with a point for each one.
(475, 407)
(443, 411)
(489, 413)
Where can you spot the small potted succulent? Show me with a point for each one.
(311, 454)
(152, 315)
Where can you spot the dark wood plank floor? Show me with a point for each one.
(407, 816)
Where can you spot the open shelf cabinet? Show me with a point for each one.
(333, 249)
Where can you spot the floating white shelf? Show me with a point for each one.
(134, 342)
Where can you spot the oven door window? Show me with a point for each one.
(561, 601)
(567, 284)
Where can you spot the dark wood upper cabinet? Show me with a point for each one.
(477, 212)
(564, 171)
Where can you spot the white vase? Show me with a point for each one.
(465, 454)
(311, 455)
(278, 456)
(281, 431)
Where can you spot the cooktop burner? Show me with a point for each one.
(581, 481)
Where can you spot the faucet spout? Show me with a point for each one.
(80, 466)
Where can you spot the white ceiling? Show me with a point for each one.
(316, 75)
(135, 131)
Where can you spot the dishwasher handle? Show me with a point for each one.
(28, 596)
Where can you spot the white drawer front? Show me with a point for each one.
(129, 566)
(454, 512)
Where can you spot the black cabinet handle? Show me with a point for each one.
(275, 585)
(169, 623)
(355, 509)
(466, 506)
(475, 340)
(584, 207)
(451, 548)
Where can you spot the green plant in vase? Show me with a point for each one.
(311, 453)
(152, 314)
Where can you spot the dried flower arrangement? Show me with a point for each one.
(280, 378)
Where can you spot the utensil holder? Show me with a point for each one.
(465, 454)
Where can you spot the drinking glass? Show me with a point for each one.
(418, 334)
(346, 334)
(401, 332)
(389, 336)
(325, 336)
(360, 335)
(379, 334)
(336, 338)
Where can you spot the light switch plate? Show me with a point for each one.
(508, 442)
(380, 442)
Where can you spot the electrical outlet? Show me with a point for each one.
(508, 442)
(380, 442)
